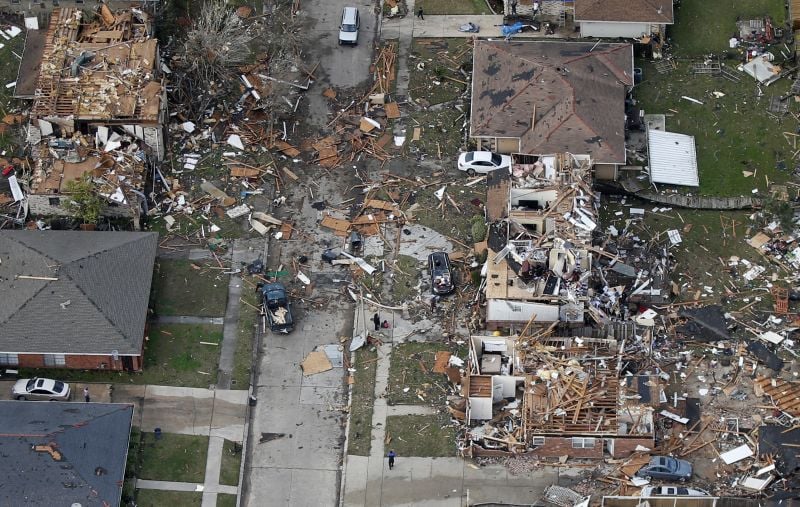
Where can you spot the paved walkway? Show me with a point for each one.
(217, 413)
(447, 26)
(243, 251)
(187, 319)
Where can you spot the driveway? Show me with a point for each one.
(340, 67)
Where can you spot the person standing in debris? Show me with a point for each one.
(391, 455)
(419, 14)
(513, 7)
(86, 394)
(535, 8)
(434, 300)
(376, 319)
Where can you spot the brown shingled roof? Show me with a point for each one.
(554, 96)
(631, 11)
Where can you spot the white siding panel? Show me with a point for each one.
(610, 29)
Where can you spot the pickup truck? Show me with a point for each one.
(276, 305)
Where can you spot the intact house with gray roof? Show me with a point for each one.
(543, 97)
(75, 299)
(61, 453)
(623, 18)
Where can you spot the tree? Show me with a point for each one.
(217, 41)
(83, 201)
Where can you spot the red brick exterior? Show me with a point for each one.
(562, 446)
(76, 362)
(624, 447)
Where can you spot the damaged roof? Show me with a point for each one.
(63, 453)
(104, 70)
(625, 11)
(554, 96)
(85, 292)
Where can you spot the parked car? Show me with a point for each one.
(348, 30)
(441, 275)
(278, 307)
(650, 491)
(482, 162)
(40, 389)
(667, 468)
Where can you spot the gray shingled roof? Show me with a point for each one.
(97, 305)
(92, 439)
(554, 96)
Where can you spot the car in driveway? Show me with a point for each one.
(441, 274)
(482, 162)
(666, 468)
(651, 491)
(40, 389)
(348, 29)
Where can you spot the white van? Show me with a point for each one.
(348, 30)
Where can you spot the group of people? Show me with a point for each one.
(376, 319)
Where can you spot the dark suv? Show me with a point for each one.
(441, 275)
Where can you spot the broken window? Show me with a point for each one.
(54, 201)
(582, 443)
(9, 360)
(538, 441)
(54, 360)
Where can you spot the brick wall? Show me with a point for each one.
(624, 447)
(31, 360)
(76, 362)
(562, 446)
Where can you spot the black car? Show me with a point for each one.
(441, 275)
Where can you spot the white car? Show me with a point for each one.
(651, 491)
(348, 29)
(482, 162)
(40, 389)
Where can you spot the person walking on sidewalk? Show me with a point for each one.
(391, 455)
(376, 319)
(86, 394)
(420, 14)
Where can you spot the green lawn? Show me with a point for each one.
(158, 498)
(732, 134)
(176, 351)
(231, 463)
(363, 399)
(243, 355)
(9, 67)
(427, 436)
(406, 371)
(173, 356)
(704, 26)
(226, 500)
(705, 242)
(442, 59)
(174, 457)
(184, 287)
(451, 7)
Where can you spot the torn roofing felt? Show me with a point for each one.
(704, 324)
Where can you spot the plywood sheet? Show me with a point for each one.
(392, 110)
(316, 362)
(337, 224)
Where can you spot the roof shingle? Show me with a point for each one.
(554, 96)
(97, 305)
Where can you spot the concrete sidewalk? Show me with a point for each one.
(447, 26)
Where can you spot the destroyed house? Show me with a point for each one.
(555, 396)
(75, 299)
(61, 453)
(540, 97)
(623, 18)
(539, 253)
(99, 105)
